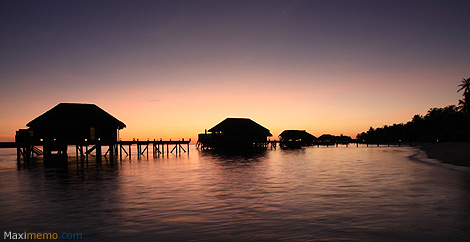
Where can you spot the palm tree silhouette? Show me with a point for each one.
(465, 86)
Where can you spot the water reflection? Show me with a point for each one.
(327, 194)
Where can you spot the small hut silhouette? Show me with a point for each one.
(235, 133)
(296, 138)
(72, 124)
(327, 139)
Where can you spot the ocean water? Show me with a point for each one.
(311, 194)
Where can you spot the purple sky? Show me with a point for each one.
(325, 66)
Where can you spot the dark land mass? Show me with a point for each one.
(455, 153)
(448, 124)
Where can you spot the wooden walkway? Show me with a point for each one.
(8, 145)
(159, 147)
(26, 151)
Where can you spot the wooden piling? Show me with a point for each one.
(86, 153)
(98, 152)
(18, 155)
(111, 152)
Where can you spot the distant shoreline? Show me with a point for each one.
(455, 153)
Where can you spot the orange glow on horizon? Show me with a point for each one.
(152, 112)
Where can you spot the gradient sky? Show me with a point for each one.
(170, 69)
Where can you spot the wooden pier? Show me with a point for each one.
(157, 146)
(26, 151)
(121, 148)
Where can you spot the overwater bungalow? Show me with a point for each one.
(71, 124)
(235, 133)
(296, 139)
(328, 139)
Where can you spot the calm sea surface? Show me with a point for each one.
(312, 194)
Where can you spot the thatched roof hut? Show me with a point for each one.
(296, 138)
(76, 114)
(240, 126)
(331, 139)
(74, 122)
(293, 135)
(235, 133)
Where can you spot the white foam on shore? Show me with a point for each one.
(421, 156)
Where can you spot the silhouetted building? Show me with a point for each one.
(327, 139)
(332, 139)
(342, 139)
(235, 133)
(296, 138)
(74, 123)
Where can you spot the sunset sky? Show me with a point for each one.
(170, 69)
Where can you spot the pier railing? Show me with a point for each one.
(27, 150)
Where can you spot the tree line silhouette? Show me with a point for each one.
(451, 123)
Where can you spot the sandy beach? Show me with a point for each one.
(456, 153)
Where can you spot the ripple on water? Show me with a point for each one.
(321, 194)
